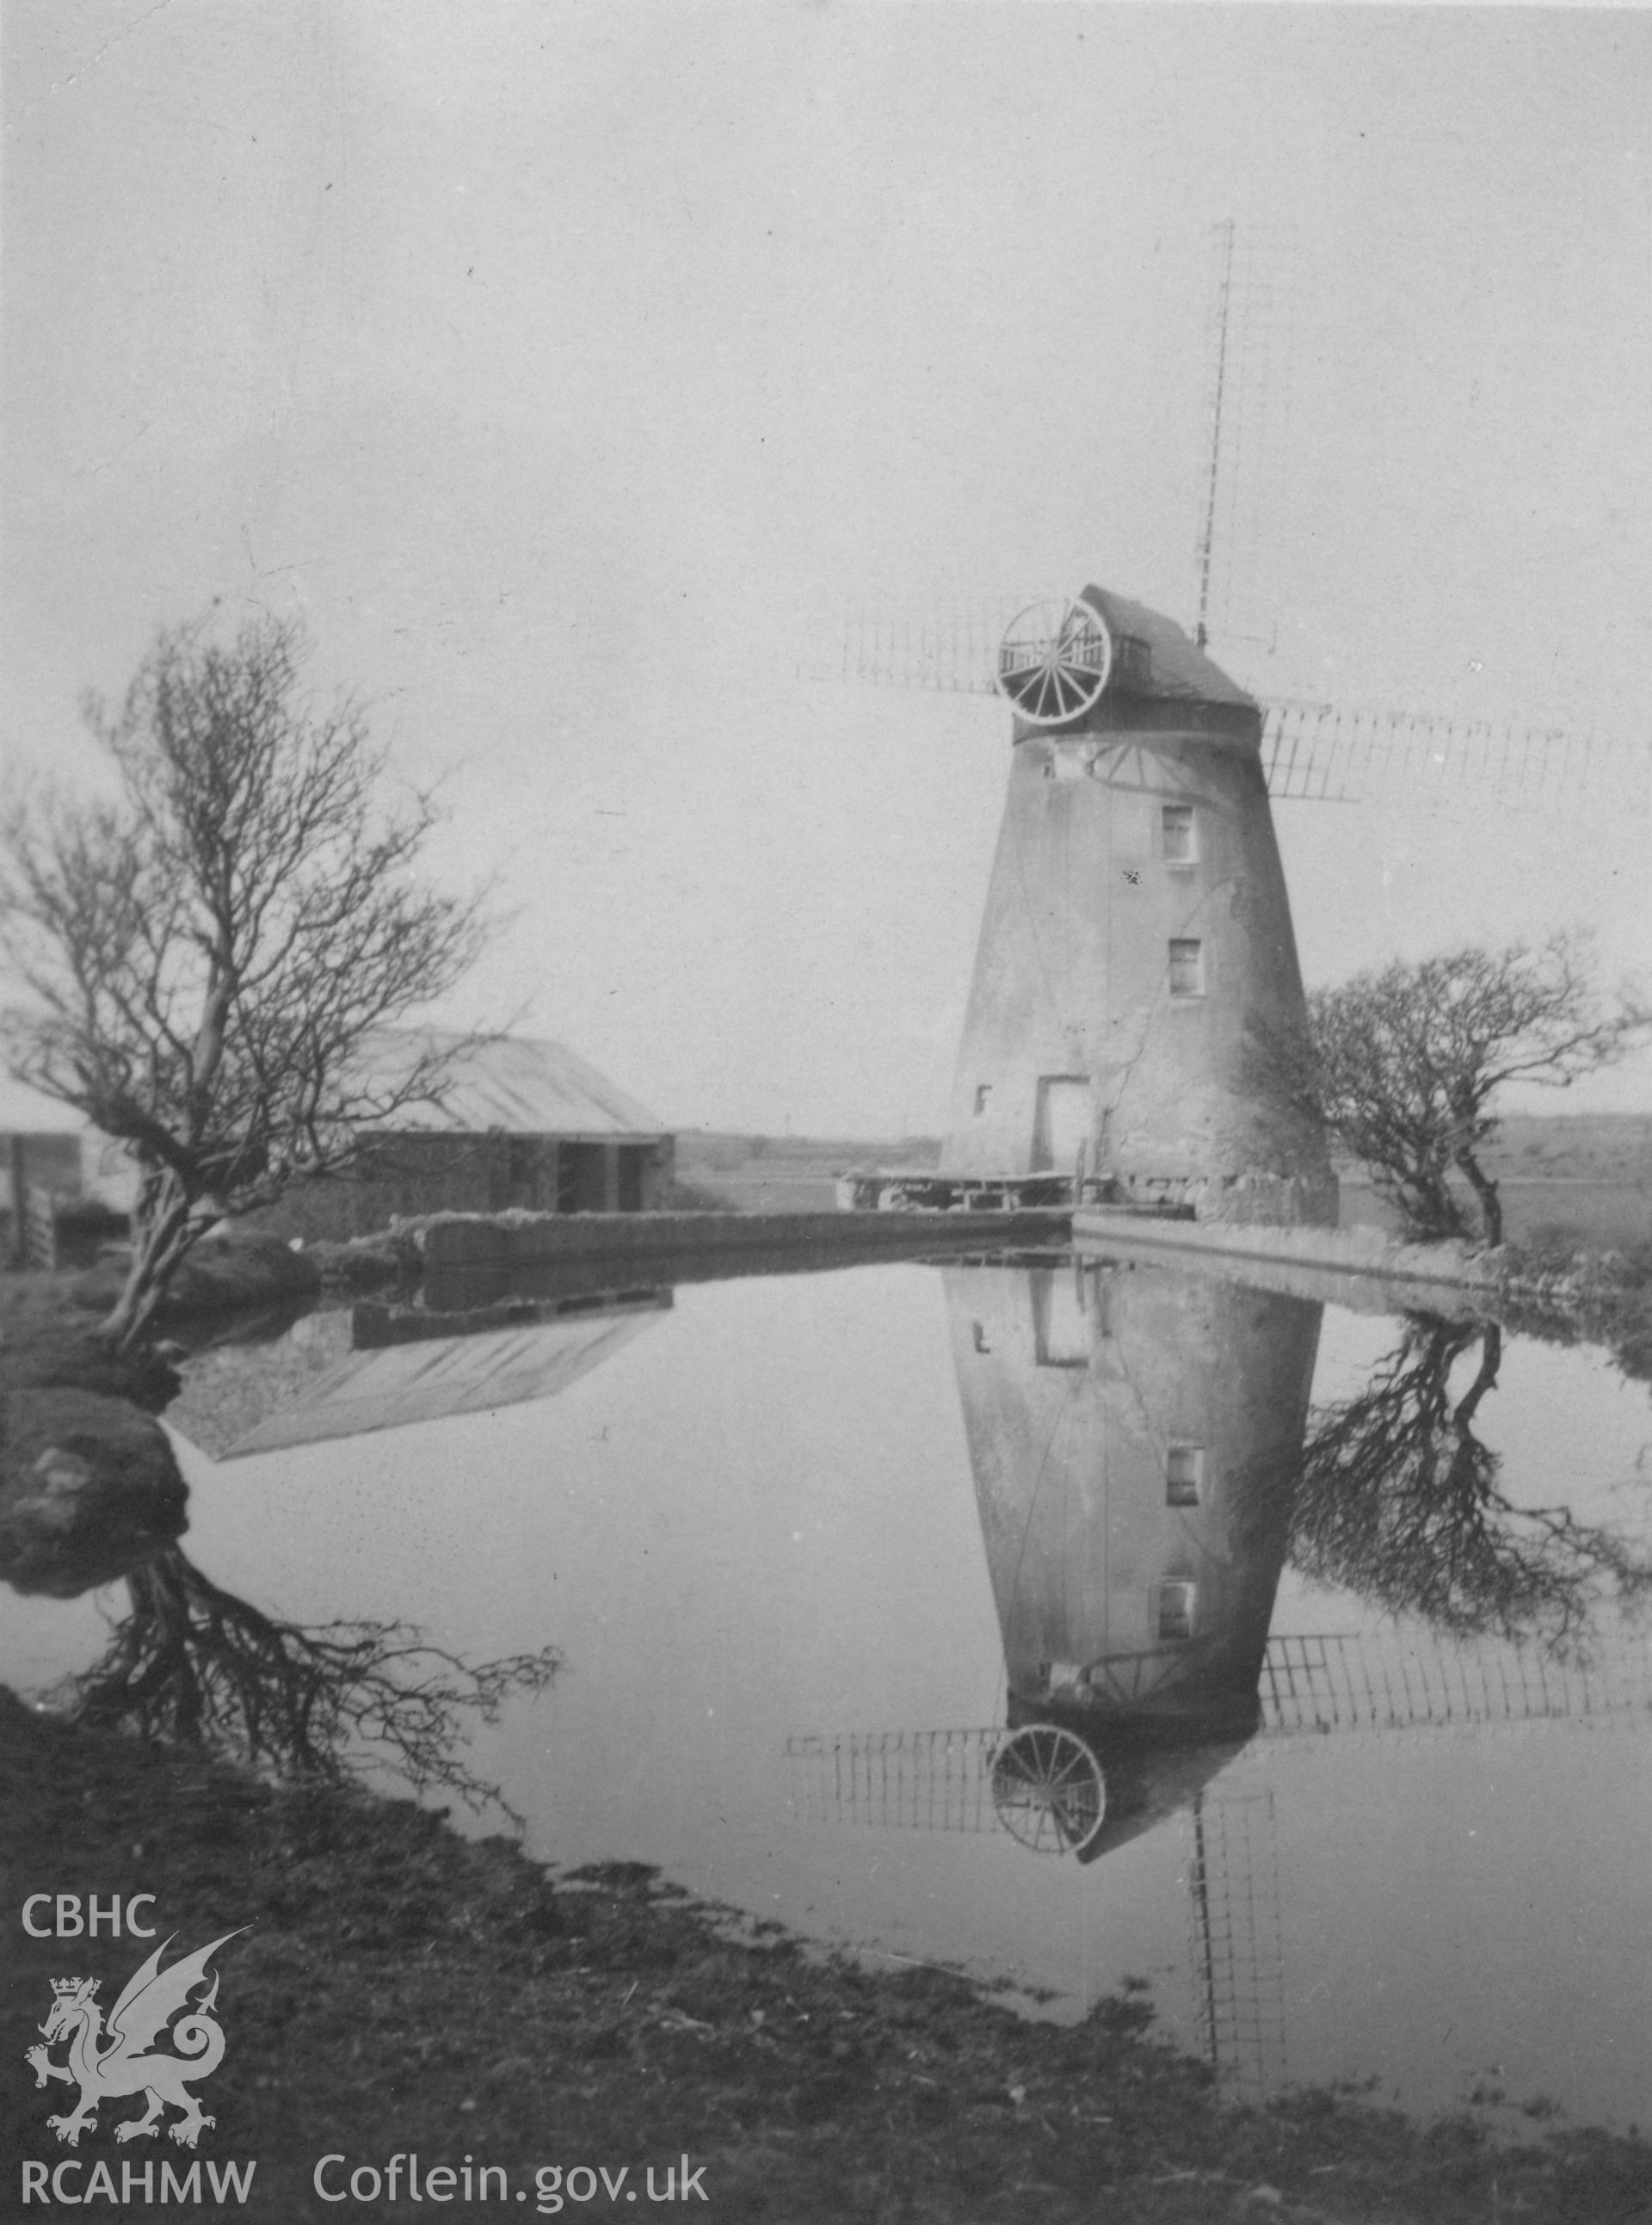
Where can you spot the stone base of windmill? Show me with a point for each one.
(1247, 1201)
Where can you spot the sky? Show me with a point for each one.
(572, 369)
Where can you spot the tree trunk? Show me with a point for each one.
(162, 1233)
(1486, 1191)
(1491, 1360)
(1431, 1212)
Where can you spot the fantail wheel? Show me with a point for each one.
(1047, 1789)
(1055, 661)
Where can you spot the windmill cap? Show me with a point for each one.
(1156, 659)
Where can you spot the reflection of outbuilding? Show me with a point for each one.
(344, 1373)
(522, 1125)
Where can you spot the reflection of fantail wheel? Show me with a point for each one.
(1054, 660)
(1047, 1789)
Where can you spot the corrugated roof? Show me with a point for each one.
(522, 1085)
(387, 1390)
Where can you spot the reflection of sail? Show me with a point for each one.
(896, 1780)
(1311, 1684)
(1235, 1944)
(353, 1392)
(1383, 1683)
(1394, 1682)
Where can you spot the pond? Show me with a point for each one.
(1082, 1624)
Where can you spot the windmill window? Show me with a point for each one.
(1186, 967)
(1176, 1611)
(1176, 823)
(1184, 1470)
(983, 1096)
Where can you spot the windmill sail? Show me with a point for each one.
(1318, 752)
(1311, 752)
(949, 650)
(1249, 342)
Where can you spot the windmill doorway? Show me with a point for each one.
(1064, 1124)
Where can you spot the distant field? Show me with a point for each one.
(757, 1191)
(1600, 1214)
(1598, 1147)
(788, 1174)
(1590, 1174)
(1587, 1175)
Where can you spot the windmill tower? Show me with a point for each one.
(1135, 956)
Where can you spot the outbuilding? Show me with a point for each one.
(522, 1124)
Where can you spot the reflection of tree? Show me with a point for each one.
(1398, 1500)
(193, 1664)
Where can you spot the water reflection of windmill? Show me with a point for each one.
(1128, 1431)
(1137, 1440)
(1133, 1438)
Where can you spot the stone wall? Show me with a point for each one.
(1252, 1200)
(1341, 1251)
(404, 1176)
(513, 1241)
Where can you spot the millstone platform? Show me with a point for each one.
(926, 1189)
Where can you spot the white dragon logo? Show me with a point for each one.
(153, 1996)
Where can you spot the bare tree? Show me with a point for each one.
(1402, 1065)
(191, 1664)
(1399, 1499)
(204, 956)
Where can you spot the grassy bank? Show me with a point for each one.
(401, 1989)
